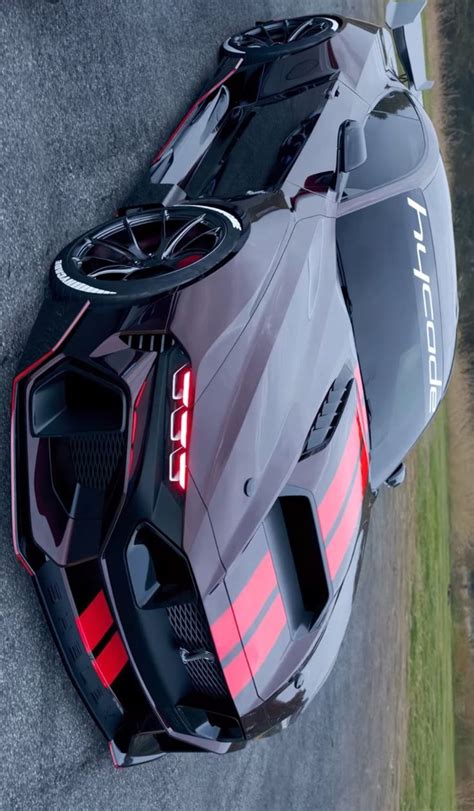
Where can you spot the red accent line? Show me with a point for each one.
(189, 260)
(94, 622)
(50, 352)
(140, 394)
(193, 109)
(330, 505)
(111, 660)
(112, 755)
(237, 674)
(361, 402)
(345, 531)
(254, 594)
(135, 425)
(233, 624)
(15, 383)
(265, 637)
(23, 562)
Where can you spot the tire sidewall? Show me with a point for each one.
(265, 52)
(68, 282)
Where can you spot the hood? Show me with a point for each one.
(251, 419)
(210, 315)
(250, 423)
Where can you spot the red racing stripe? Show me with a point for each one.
(265, 637)
(230, 628)
(254, 595)
(330, 505)
(237, 674)
(245, 608)
(345, 531)
(111, 660)
(225, 633)
(94, 622)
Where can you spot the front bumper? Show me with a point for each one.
(126, 665)
(123, 715)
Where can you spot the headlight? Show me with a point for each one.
(180, 425)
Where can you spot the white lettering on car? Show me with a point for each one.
(84, 288)
(433, 365)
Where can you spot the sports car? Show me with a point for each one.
(223, 376)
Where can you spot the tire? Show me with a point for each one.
(143, 254)
(277, 37)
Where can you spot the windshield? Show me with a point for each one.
(387, 262)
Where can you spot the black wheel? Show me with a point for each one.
(140, 255)
(282, 36)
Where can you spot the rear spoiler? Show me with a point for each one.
(404, 18)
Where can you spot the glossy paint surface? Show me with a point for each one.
(267, 334)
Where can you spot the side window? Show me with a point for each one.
(395, 313)
(395, 144)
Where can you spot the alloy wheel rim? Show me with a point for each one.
(149, 245)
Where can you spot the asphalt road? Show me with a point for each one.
(89, 90)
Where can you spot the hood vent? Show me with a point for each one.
(148, 341)
(328, 416)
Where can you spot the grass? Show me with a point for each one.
(461, 465)
(443, 515)
(430, 768)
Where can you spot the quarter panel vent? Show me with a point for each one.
(328, 417)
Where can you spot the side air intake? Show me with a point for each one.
(79, 417)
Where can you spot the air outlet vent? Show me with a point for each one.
(328, 416)
(148, 341)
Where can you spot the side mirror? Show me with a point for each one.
(397, 477)
(352, 146)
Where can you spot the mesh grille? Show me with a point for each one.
(95, 458)
(192, 632)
